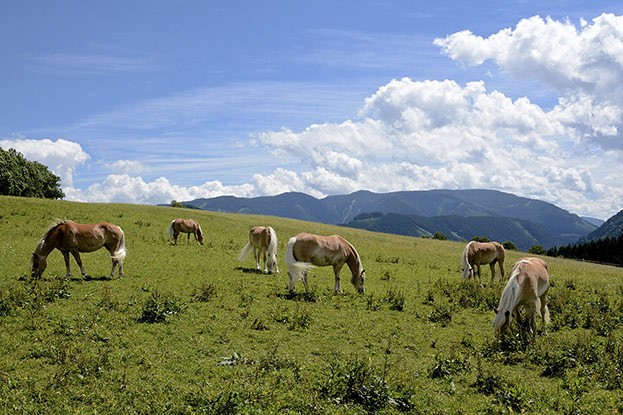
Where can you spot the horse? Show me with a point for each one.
(306, 251)
(262, 241)
(187, 226)
(528, 285)
(72, 238)
(477, 253)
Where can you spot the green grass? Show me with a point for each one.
(189, 329)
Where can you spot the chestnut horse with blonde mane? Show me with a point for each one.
(188, 226)
(527, 286)
(477, 253)
(306, 251)
(72, 238)
(262, 242)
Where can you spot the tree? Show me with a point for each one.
(509, 246)
(20, 177)
(440, 236)
(537, 250)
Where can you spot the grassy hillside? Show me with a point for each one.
(229, 340)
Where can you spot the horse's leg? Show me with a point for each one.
(264, 256)
(478, 269)
(76, 255)
(291, 282)
(336, 270)
(66, 257)
(176, 233)
(305, 280)
(256, 255)
(188, 242)
(492, 266)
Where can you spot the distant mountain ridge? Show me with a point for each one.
(612, 228)
(460, 214)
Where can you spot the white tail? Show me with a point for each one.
(120, 252)
(245, 252)
(171, 229)
(296, 269)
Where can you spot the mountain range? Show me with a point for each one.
(612, 228)
(458, 214)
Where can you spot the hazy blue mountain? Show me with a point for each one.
(612, 228)
(538, 221)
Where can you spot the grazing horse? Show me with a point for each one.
(306, 251)
(527, 286)
(72, 238)
(262, 241)
(477, 253)
(187, 226)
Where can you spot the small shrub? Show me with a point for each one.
(356, 382)
(204, 293)
(447, 366)
(159, 307)
(396, 300)
(441, 314)
(259, 325)
(372, 303)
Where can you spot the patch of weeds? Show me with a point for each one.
(514, 398)
(355, 382)
(488, 381)
(301, 319)
(204, 293)
(159, 307)
(307, 296)
(259, 325)
(454, 364)
(41, 292)
(12, 297)
(297, 319)
(108, 301)
(396, 300)
(372, 303)
(558, 362)
(387, 276)
(441, 313)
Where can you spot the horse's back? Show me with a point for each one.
(320, 250)
(533, 274)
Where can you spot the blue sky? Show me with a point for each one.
(150, 101)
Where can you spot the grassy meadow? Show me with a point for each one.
(189, 329)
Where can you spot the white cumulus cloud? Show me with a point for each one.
(62, 157)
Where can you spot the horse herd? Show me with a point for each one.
(527, 284)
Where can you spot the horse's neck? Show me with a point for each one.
(46, 245)
(354, 263)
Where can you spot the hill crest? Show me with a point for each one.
(543, 223)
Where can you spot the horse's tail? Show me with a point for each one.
(272, 243)
(465, 266)
(120, 252)
(170, 232)
(296, 269)
(245, 251)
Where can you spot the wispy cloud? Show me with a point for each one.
(94, 64)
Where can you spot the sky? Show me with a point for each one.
(150, 101)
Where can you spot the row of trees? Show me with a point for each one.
(20, 177)
(607, 250)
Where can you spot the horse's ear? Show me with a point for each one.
(495, 310)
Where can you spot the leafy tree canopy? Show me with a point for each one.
(20, 177)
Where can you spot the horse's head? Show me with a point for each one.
(271, 263)
(200, 235)
(467, 272)
(501, 323)
(359, 280)
(39, 264)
